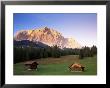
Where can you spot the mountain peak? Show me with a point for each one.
(46, 28)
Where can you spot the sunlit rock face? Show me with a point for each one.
(47, 36)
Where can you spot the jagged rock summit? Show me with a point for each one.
(47, 36)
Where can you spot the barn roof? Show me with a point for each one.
(29, 62)
(76, 64)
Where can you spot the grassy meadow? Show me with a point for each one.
(59, 66)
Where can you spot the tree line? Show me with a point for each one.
(30, 53)
(87, 52)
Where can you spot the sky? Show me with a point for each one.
(80, 26)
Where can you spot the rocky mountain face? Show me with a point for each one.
(47, 36)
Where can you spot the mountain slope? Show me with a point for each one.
(26, 43)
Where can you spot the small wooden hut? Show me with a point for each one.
(31, 65)
(76, 67)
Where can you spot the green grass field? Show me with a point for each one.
(59, 66)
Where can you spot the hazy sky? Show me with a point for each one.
(81, 26)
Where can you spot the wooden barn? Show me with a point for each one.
(31, 65)
(76, 67)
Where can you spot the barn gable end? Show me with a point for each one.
(31, 65)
